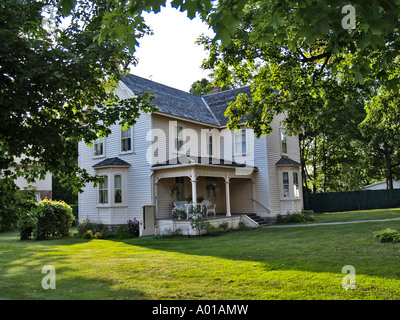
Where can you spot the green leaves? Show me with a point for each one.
(66, 6)
(57, 90)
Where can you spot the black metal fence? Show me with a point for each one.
(355, 200)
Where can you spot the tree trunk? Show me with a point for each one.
(389, 179)
(315, 167)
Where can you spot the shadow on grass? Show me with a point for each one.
(108, 269)
(21, 276)
(313, 249)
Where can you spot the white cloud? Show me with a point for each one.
(171, 56)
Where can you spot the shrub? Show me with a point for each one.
(215, 231)
(49, 219)
(127, 231)
(94, 227)
(89, 230)
(293, 218)
(133, 227)
(88, 234)
(387, 235)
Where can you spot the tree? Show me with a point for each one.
(205, 86)
(382, 129)
(56, 90)
(313, 77)
(201, 87)
(332, 27)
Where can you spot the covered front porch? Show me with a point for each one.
(229, 188)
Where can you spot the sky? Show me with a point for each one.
(171, 56)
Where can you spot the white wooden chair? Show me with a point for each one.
(210, 207)
(182, 205)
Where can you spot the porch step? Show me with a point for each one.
(261, 221)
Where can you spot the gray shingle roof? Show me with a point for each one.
(218, 102)
(208, 109)
(285, 161)
(172, 101)
(112, 162)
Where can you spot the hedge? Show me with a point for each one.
(50, 219)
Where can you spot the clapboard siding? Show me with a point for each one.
(138, 174)
(274, 153)
(240, 195)
(194, 138)
(261, 203)
(165, 201)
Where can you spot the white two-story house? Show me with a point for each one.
(184, 152)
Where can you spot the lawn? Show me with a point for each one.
(268, 263)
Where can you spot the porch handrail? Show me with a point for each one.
(269, 211)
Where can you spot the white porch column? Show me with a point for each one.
(227, 196)
(156, 196)
(193, 179)
(194, 195)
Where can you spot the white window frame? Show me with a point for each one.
(178, 138)
(96, 142)
(111, 173)
(283, 141)
(209, 144)
(103, 187)
(286, 186)
(120, 140)
(296, 186)
(242, 133)
(120, 188)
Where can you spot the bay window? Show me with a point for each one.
(103, 190)
(285, 178)
(296, 188)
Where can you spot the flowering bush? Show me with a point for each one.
(173, 188)
(133, 227)
(178, 213)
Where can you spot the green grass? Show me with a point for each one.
(285, 263)
(357, 215)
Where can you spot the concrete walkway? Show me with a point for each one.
(328, 223)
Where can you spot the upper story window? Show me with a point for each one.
(98, 148)
(209, 143)
(283, 141)
(178, 138)
(240, 142)
(126, 140)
